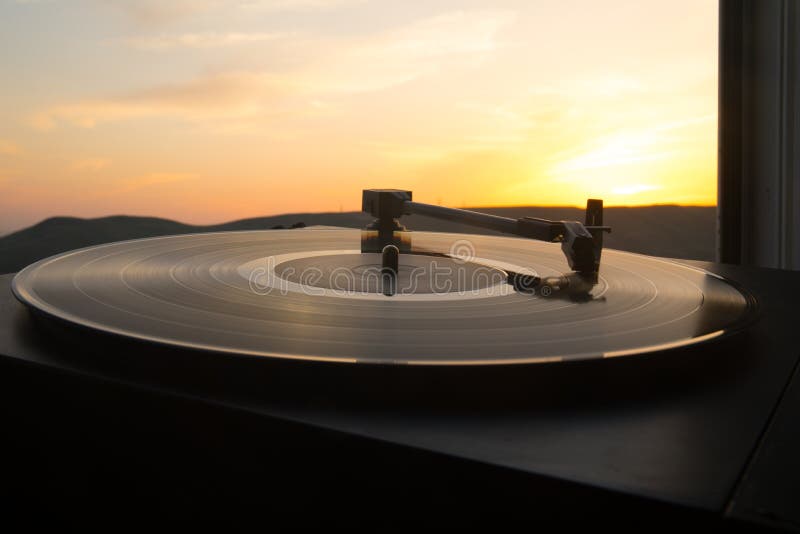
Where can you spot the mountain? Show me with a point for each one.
(671, 231)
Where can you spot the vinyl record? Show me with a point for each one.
(311, 294)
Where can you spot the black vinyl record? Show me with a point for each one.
(311, 294)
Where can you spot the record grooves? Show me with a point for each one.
(230, 293)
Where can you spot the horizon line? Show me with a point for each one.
(286, 214)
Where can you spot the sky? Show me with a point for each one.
(206, 111)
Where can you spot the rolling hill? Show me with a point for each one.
(669, 231)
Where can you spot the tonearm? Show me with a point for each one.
(581, 243)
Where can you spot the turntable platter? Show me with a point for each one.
(311, 294)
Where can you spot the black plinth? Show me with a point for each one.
(90, 439)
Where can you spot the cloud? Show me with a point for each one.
(223, 96)
(9, 148)
(683, 123)
(296, 5)
(459, 32)
(625, 147)
(390, 58)
(622, 148)
(144, 181)
(200, 40)
(90, 164)
(160, 12)
(612, 86)
(337, 67)
(633, 189)
(157, 12)
(158, 178)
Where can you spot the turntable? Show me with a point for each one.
(478, 378)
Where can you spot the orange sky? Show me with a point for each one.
(206, 111)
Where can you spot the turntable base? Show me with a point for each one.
(704, 437)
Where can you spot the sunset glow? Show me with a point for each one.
(205, 111)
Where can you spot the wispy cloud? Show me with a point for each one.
(633, 189)
(90, 164)
(346, 66)
(200, 40)
(9, 148)
(458, 32)
(212, 97)
(612, 86)
(613, 150)
(144, 181)
(625, 147)
(159, 12)
(296, 5)
(158, 178)
(683, 123)
(393, 57)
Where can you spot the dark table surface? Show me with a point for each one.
(682, 427)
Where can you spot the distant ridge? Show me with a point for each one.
(671, 231)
